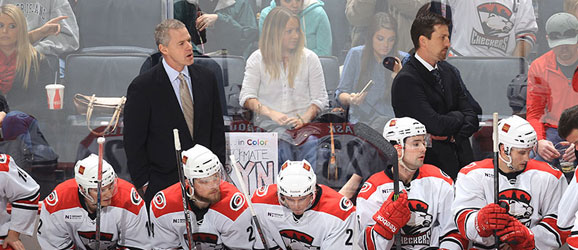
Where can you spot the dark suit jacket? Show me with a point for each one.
(152, 112)
(414, 93)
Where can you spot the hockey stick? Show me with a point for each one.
(496, 166)
(376, 139)
(332, 165)
(100, 142)
(249, 203)
(183, 189)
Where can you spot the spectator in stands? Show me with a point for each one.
(23, 69)
(52, 25)
(284, 84)
(364, 63)
(549, 84)
(314, 23)
(493, 28)
(429, 90)
(232, 26)
(359, 14)
(187, 12)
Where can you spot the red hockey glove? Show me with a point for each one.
(392, 216)
(517, 235)
(491, 217)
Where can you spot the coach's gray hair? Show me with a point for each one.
(162, 30)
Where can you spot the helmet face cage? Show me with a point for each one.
(86, 175)
(296, 179)
(398, 129)
(515, 132)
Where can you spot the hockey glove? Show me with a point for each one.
(491, 217)
(517, 235)
(392, 216)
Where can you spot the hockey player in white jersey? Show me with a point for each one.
(567, 210)
(296, 213)
(422, 213)
(67, 218)
(19, 190)
(529, 189)
(220, 218)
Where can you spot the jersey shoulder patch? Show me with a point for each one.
(168, 200)
(428, 170)
(4, 163)
(127, 197)
(483, 164)
(370, 186)
(543, 167)
(334, 203)
(64, 196)
(232, 203)
(266, 195)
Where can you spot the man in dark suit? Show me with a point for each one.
(173, 94)
(428, 90)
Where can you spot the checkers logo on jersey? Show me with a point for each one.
(294, 237)
(237, 201)
(345, 204)
(518, 203)
(159, 200)
(366, 187)
(134, 197)
(262, 191)
(52, 199)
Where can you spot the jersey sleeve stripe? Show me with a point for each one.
(462, 218)
(456, 237)
(26, 207)
(369, 241)
(573, 240)
(550, 225)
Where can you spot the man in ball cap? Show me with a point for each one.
(549, 85)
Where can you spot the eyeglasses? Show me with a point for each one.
(557, 35)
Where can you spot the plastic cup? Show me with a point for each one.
(55, 95)
(565, 166)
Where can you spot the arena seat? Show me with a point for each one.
(330, 65)
(126, 23)
(487, 79)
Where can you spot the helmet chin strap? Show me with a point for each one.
(509, 161)
(401, 163)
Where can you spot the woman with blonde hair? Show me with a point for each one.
(20, 64)
(284, 84)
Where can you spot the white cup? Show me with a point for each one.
(55, 94)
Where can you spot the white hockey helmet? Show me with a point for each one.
(200, 162)
(86, 174)
(397, 129)
(515, 132)
(296, 179)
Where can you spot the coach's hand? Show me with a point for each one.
(491, 217)
(392, 216)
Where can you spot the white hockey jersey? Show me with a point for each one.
(491, 28)
(532, 197)
(19, 190)
(225, 225)
(66, 224)
(430, 195)
(328, 224)
(567, 211)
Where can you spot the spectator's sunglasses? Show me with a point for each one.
(557, 35)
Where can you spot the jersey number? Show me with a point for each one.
(349, 233)
(251, 236)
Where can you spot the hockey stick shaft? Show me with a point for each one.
(100, 142)
(183, 188)
(496, 164)
(249, 203)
